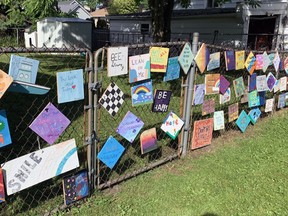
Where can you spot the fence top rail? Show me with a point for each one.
(154, 44)
(42, 50)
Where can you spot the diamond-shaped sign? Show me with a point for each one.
(202, 58)
(111, 152)
(186, 57)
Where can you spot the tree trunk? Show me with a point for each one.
(161, 13)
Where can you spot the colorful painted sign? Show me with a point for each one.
(233, 112)
(185, 58)
(214, 61)
(158, 59)
(254, 115)
(276, 61)
(130, 126)
(253, 99)
(172, 125)
(266, 61)
(28, 88)
(202, 57)
(224, 84)
(225, 97)
(208, 106)
(173, 69)
(244, 98)
(277, 86)
(202, 133)
(283, 84)
(219, 120)
(269, 105)
(259, 62)
(239, 87)
(5, 82)
(33, 168)
(70, 86)
(250, 63)
(2, 189)
(117, 61)
(252, 82)
(243, 121)
(142, 93)
(148, 140)
(23, 69)
(5, 137)
(50, 123)
(262, 98)
(139, 67)
(212, 83)
(75, 187)
(261, 83)
(271, 80)
(112, 99)
(281, 101)
(286, 65)
(239, 59)
(161, 100)
(229, 60)
(199, 93)
(111, 152)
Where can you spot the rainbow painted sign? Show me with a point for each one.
(142, 93)
(39, 166)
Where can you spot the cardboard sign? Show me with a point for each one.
(117, 61)
(172, 125)
(219, 120)
(75, 187)
(185, 58)
(199, 93)
(212, 82)
(23, 69)
(70, 86)
(158, 59)
(202, 57)
(148, 140)
(5, 82)
(233, 112)
(139, 68)
(239, 59)
(173, 69)
(229, 60)
(214, 61)
(111, 152)
(130, 126)
(50, 123)
(33, 168)
(5, 138)
(161, 101)
(142, 93)
(202, 133)
(250, 63)
(239, 87)
(269, 105)
(208, 106)
(243, 121)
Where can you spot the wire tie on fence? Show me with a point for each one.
(38, 141)
(95, 86)
(88, 69)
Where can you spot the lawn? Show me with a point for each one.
(239, 174)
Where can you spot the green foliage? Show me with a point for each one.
(123, 7)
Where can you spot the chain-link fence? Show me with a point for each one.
(22, 109)
(13, 37)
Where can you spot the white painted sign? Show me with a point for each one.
(117, 61)
(33, 168)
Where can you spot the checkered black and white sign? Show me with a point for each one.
(112, 99)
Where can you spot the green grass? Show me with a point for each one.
(239, 174)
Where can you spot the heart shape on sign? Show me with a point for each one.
(73, 86)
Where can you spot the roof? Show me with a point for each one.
(179, 13)
(65, 20)
(99, 13)
(71, 6)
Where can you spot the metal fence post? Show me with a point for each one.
(189, 89)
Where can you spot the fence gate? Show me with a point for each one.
(133, 161)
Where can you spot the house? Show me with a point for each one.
(233, 23)
(61, 32)
(99, 14)
(74, 6)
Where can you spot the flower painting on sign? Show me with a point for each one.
(139, 67)
(202, 133)
(172, 125)
(158, 59)
(117, 61)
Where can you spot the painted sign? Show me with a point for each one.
(225, 97)
(202, 57)
(219, 120)
(159, 59)
(199, 93)
(253, 99)
(130, 126)
(5, 82)
(239, 87)
(266, 61)
(261, 83)
(252, 82)
(185, 58)
(254, 115)
(5, 138)
(283, 84)
(33, 168)
(262, 98)
(75, 187)
(117, 61)
(148, 140)
(233, 112)
(172, 125)
(208, 106)
(271, 80)
(243, 121)
(239, 60)
(276, 61)
(139, 67)
(269, 105)
(2, 189)
(173, 69)
(281, 101)
(50, 123)
(202, 133)
(212, 83)
(142, 93)
(229, 60)
(214, 61)
(70, 86)
(111, 152)
(224, 84)
(250, 63)
(23, 69)
(286, 65)
(161, 101)
(259, 62)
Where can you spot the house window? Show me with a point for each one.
(211, 4)
(144, 28)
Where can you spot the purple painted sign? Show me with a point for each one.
(161, 101)
(224, 84)
(50, 123)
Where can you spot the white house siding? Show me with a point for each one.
(81, 14)
(49, 33)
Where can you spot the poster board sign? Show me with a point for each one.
(269, 105)
(158, 59)
(229, 60)
(142, 93)
(208, 106)
(5, 82)
(259, 62)
(239, 87)
(225, 97)
(161, 100)
(243, 121)
(2, 188)
(117, 61)
(219, 120)
(202, 133)
(214, 61)
(254, 115)
(233, 112)
(33, 168)
(173, 69)
(148, 140)
(172, 125)
(250, 63)
(239, 59)
(266, 61)
(199, 93)
(202, 57)
(261, 83)
(271, 81)
(139, 67)
(5, 137)
(186, 58)
(212, 83)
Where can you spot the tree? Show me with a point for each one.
(161, 14)
(124, 6)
